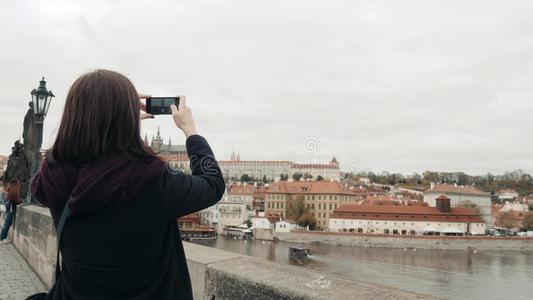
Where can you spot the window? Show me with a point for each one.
(386, 231)
(359, 230)
(395, 231)
(404, 232)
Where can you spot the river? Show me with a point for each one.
(442, 273)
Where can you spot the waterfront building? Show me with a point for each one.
(242, 193)
(260, 221)
(461, 195)
(286, 226)
(231, 213)
(209, 216)
(320, 198)
(397, 219)
(259, 196)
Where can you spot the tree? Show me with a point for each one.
(265, 180)
(308, 176)
(319, 178)
(527, 223)
(283, 177)
(505, 219)
(296, 208)
(307, 219)
(297, 176)
(245, 178)
(248, 223)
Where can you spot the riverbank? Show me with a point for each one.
(409, 242)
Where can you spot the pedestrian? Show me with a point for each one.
(121, 240)
(12, 199)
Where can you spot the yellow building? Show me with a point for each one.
(320, 198)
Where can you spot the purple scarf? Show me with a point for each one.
(110, 180)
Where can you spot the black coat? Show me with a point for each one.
(134, 251)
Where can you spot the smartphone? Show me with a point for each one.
(161, 105)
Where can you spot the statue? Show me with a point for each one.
(28, 134)
(17, 168)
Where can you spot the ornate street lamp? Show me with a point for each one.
(41, 98)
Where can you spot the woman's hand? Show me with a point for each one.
(183, 118)
(144, 115)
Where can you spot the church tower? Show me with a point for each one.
(157, 142)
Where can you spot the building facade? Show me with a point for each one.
(319, 198)
(407, 219)
(459, 195)
(273, 169)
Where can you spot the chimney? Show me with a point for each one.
(443, 203)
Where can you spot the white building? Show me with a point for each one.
(458, 195)
(231, 213)
(272, 169)
(243, 193)
(209, 216)
(507, 195)
(406, 220)
(261, 221)
(285, 226)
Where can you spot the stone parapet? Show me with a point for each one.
(215, 274)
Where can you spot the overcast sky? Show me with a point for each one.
(402, 86)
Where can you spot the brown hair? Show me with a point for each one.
(13, 192)
(101, 116)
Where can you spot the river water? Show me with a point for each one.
(441, 273)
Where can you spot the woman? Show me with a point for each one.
(121, 240)
(12, 200)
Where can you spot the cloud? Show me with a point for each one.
(383, 85)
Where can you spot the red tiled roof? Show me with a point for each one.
(405, 213)
(235, 189)
(442, 197)
(459, 189)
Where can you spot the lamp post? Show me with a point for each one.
(41, 98)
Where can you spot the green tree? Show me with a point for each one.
(245, 178)
(307, 219)
(265, 180)
(297, 176)
(319, 178)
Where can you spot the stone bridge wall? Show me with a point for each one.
(215, 274)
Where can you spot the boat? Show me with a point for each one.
(300, 252)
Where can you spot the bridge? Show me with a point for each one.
(28, 266)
